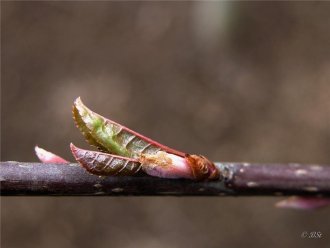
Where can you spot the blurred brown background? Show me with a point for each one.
(233, 81)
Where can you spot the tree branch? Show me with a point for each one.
(238, 179)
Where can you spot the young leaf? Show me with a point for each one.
(105, 164)
(49, 157)
(135, 151)
(112, 137)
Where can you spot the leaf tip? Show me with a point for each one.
(77, 100)
(74, 150)
(48, 157)
(78, 104)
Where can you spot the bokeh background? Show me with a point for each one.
(235, 81)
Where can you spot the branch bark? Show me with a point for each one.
(238, 179)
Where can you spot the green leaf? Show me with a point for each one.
(109, 136)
